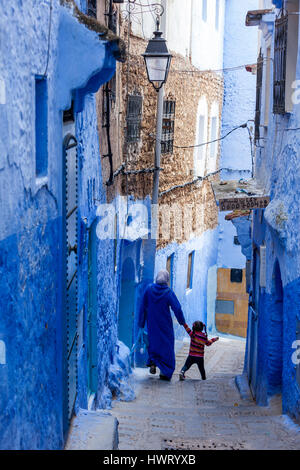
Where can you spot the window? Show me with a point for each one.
(92, 8)
(201, 138)
(204, 10)
(236, 275)
(41, 126)
(217, 21)
(225, 307)
(236, 241)
(68, 115)
(280, 56)
(134, 117)
(170, 268)
(113, 22)
(259, 78)
(189, 284)
(213, 137)
(168, 127)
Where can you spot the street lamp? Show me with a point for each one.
(157, 59)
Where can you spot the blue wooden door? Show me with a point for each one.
(70, 229)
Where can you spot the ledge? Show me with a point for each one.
(103, 32)
(240, 195)
(254, 17)
(93, 430)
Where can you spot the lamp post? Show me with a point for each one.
(158, 60)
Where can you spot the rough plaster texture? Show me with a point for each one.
(31, 390)
(277, 167)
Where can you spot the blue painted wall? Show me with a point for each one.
(193, 301)
(31, 305)
(278, 169)
(240, 47)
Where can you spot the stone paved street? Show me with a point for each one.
(202, 415)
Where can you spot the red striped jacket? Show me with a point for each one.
(198, 341)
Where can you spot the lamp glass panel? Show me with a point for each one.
(157, 67)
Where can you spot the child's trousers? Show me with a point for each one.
(195, 360)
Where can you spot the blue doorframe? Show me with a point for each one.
(92, 356)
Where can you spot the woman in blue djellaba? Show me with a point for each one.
(155, 311)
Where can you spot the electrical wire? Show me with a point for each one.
(242, 126)
(201, 72)
(196, 180)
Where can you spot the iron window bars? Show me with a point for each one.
(134, 117)
(92, 8)
(280, 56)
(259, 80)
(168, 127)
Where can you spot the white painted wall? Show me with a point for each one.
(143, 18)
(200, 153)
(179, 18)
(206, 40)
(186, 32)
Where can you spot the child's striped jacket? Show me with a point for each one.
(198, 341)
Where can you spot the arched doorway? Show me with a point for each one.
(127, 303)
(275, 359)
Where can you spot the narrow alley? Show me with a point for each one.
(196, 415)
(149, 208)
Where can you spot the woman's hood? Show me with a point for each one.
(158, 291)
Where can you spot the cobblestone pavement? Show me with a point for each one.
(197, 414)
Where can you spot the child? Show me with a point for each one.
(196, 355)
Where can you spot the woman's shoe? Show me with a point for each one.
(164, 377)
(181, 376)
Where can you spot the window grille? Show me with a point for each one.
(168, 127)
(134, 117)
(92, 8)
(259, 79)
(280, 55)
